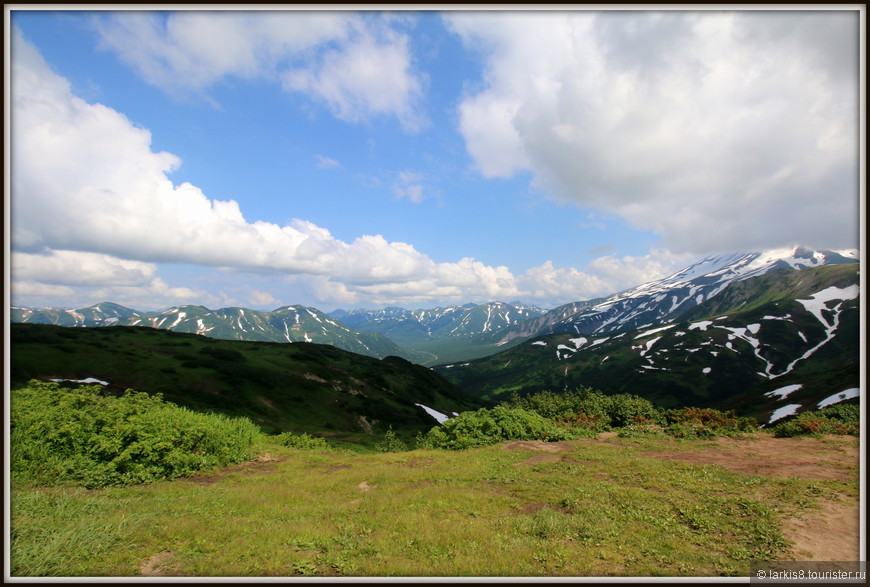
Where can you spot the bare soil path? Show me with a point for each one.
(830, 533)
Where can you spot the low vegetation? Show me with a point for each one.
(836, 419)
(82, 436)
(490, 426)
(93, 496)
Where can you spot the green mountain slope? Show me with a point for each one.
(770, 333)
(300, 386)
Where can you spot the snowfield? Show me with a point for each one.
(783, 392)
(784, 411)
(839, 397)
(85, 380)
(441, 418)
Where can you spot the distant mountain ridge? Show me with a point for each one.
(403, 325)
(286, 324)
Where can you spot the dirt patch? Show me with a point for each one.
(263, 462)
(364, 486)
(544, 457)
(531, 507)
(830, 533)
(537, 445)
(419, 462)
(334, 468)
(828, 459)
(827, 534)
(157, 565)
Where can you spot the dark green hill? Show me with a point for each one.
(787, 328)
(302, 387)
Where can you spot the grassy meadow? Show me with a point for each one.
(594, 508)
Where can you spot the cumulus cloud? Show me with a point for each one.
(79, 268)
(353, 64)
(94, 213)
(92, 203)
(716, 130)
(85, 179)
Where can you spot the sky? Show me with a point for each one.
(364, 159)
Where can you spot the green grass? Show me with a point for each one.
(596, 510)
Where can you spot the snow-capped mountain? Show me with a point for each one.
(662, 301)
(770, 345)
(408, 326)
(287, 324)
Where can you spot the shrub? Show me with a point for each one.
(391, 443)
(706, 423)
(302, 441)
(554, 405)
(588, 408)
(490, 426)
(83, 437)
(836, 419)
(625, 409)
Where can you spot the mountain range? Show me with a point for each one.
(766, 333)
(768, 346)
(462, 332)
(468, 332)
(287, 324)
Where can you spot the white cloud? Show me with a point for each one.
(365, 78)
(717, 130)
(261, 299)
(356, 65)
(155, 295)
(94, 212)
(33, 291)
(79, 268)
(89, 193)
(327, 162)
(409, 185)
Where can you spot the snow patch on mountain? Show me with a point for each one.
(784, 392)
(439, 417)
(780, 413)
(840, 397)
(86, 380)
(815, 305)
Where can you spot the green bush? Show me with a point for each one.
(490, 426)
(302, 441)
(391, 443)
(706, 423)
(625, 409)
(554, 405)
(588, 408)
(81, 436)
(836, 419)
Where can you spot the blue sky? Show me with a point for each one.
(362, 159)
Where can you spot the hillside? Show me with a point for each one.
(299, 387)
(286, 324)
(784, 340)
